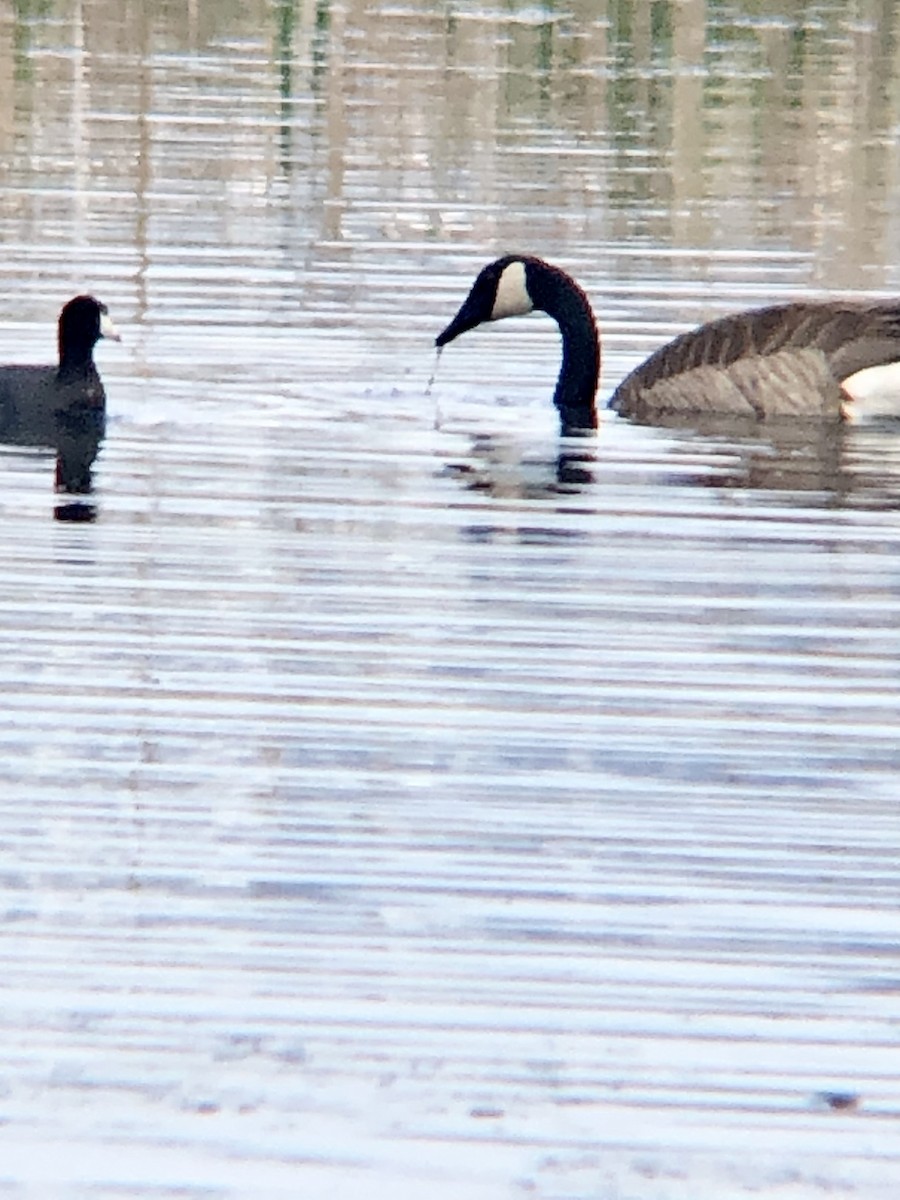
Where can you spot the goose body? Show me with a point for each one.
(784, 361)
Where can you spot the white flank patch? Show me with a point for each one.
(875, 393)
(512, 298)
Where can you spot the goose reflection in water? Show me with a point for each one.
(738, 454)
(828, 467)
(503, 469)
(62, 406)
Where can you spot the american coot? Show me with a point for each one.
(62, 406)
(785, 361)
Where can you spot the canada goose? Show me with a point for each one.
(785, 361)
(38, 402)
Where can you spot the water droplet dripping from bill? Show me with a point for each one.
(437, 407)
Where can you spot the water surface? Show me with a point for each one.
(394, 798)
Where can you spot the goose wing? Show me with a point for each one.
(786, 360)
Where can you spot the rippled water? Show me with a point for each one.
(396, 799)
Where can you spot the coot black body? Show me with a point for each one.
(62, 406)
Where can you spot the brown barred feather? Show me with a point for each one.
(788, 359)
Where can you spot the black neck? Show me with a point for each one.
(75, 357)
(558, 295)
(71, 366)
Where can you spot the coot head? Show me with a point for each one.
(82, 322)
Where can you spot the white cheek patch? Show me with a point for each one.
(512, 299)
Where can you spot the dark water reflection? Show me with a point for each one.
(835, 468)
(818, 465)
(799, 463)
(502, 468)
(422, 807)
(75, 434)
